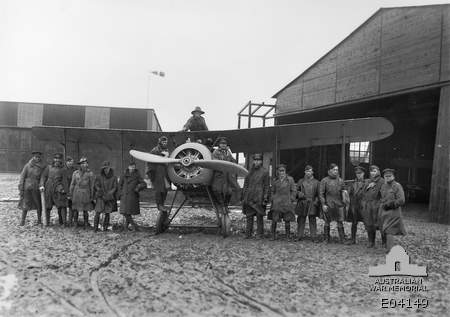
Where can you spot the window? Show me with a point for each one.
(359, 152)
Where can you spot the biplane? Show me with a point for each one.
(190, 167)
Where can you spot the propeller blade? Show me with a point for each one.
(223, 166)
(152, 158)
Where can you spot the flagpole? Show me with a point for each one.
(149, 73)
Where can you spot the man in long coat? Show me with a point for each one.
(283, 196)
(130, 184)
(356, 194)
(157, 173)
(68, 171)
(255, 196)
(331, 193)
(105, 193)
(196, 122)
(371, 203)
(30, 198)
(54, 185)
(390, 212)
(82, 191)
(308, 203)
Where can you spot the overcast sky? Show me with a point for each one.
(216, 54)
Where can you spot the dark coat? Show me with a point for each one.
(284, 193)
(29, 186)
(390, 212)
(370, 202)
(129, 187)
(105, 192)
(223, 183)
(308, 197)
(82, 190)
(55, 185)
(256, 192)
(356, 193)
(157, 173)
(331, 194)
(195, 124)
(67, 174)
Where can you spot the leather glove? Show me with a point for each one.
(42, 188)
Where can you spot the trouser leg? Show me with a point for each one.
(64, 215)
(70, 216)
(24, 217)
(96, 220)
(326, 231)
(312, 227)
(259, 226)
(75, 217)
(60, 217)
(341, 233)
(371, 236)
(39, 216)
(273, 230)
(383, 240)
(86, 219)
(47, 217)
(354, 230)
(249, 227)
(300, 227)
(106, 222)
(287, 229)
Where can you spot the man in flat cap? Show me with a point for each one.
(53, 185)
(196, 122)
(82, 191)
(356, 193)
(255, 196)
(390, 213)
(157, 173)
(30, 176)
(331, 193)
(370, 203)
(308, 203)
(68, 171)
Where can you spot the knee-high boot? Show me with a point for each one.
(70, 218)
(106, 222)
(300, 227)
(383, 240)
(354, 230)
(47, 216)
(75, 218)
(259, 226)
(341, 233)
(371, 237)
(326, 233)
(273, 230)
(313, 227)
(287, 229)
(60, 217)
(96, 221)
(64, 216)
(249, 227)
(39, 216)
(24, 217)
(85, 219)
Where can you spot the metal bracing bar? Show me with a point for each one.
(178, 209)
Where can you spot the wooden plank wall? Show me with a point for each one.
(440, 191)
(396, 49)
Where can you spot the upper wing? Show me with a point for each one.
(241, 140)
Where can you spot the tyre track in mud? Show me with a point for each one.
(95, 272)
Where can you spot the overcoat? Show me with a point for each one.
(370, 202)
(390, 212)
(308, 203)
(223, 183)
(105, 192)
(356, 194)
(29, 186)
(255, 193)
(82, 190)
(284, 192)
(130, 184)
(330, 194)
(55, 185)
(195, 124)
(157, 173)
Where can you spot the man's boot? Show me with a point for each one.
(259, 226)
(24, 216)
(300, 227)
(47, 217)
(60, 217)
(64, 216)
(75, 218)
(106, 222)
(273, 230)
(39, 217)
(70, 218)
(287, 228)
(371, 237)
(354, 229)
(96, 221)
(133, 224)
(249, 227)
(313, 228)
(383, 240)
(341, 234)
(326, 233)
(86, 224)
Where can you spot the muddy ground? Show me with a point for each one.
(74, 272)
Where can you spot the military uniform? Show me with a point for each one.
(29, 189)
(390, 211)
(157, 173)
(284, 192)
(82, 192)
(67, 174)
(356, 192)
(370, 204)
(255, 198)
(105, 193)
(130, 184)
(196, 123)
(223, 184)
(330, 194)
(308, 205)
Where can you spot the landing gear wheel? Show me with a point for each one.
(225, 225)
(162, 222)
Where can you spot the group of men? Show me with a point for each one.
(375, 201)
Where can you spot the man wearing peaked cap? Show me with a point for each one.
(356, 193)
(82, 191)
(53, 184)
(196, 122)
